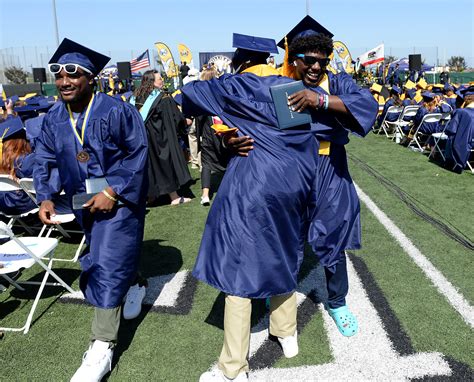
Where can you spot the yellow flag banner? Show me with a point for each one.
(185, 54)
(341, 60)
(167, 59)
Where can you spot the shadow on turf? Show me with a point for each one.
(156, 260)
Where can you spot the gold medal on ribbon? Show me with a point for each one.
(82, 156)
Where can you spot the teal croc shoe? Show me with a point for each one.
(345, 320)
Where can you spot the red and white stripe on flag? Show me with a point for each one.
(141, 62)
(373, 56)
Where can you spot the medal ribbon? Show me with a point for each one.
(84, 123)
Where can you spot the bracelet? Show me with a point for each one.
(326, 102)
(108, 196)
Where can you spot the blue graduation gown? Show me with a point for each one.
(18, 202)
(115, 139)
(335, 220)
(461, 137)
(427, 128)
(392, 117)
(251, 245)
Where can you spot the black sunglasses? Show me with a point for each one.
(311, 60)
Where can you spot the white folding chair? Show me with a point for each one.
(469, 162)
(27, 185)
(390, 126)
(428, 118)
(438, 138)
(24, 252)
(8, 184)
(409, 111)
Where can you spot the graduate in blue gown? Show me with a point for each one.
(251, 245)
(394, 100)
(89, 136)
(450, 96)
(17, 162)
(347, 108)
(460, 132)
(429, 106)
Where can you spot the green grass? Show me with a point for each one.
(167, 347)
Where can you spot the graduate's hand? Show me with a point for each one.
(46, 212)
(99, 202)
(239, 145)
(303, 99)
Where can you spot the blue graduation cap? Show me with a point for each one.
(70, 52)
(411, 93)
(464, 91)
(14, 98)
(437, 90)
(306, 27)
(396, 89)
(253, 43)
(251, 47)
(428, 96)
(11, 126)
(448, 87)
(35, 100)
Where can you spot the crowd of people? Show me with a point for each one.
(445, 103)
(281, 188)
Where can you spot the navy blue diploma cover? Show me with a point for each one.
(286, 117)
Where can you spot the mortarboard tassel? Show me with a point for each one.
(1, 144)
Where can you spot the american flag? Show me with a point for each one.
(142, 61)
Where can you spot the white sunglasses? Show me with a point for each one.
(68, 68)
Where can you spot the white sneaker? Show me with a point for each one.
(216, 375)
(205, 201)
(289, 345)
(133, 301)
(97, 362)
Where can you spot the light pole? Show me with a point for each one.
(307, 7)
(55, 23)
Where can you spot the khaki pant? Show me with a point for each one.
(106, 323)
(233, 358)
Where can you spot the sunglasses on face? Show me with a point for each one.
(311, 60)
(68, 68)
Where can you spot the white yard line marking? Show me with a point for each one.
(162, 291)
(455, 298)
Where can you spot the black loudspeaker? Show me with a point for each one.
(414, 62)
(124, 71)
(39, 74)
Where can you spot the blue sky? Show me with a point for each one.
(437, 29)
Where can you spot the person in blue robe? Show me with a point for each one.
(90, 136)
(334, 226)
(17, 162)
(251, 245)
(394, 100)
(460, 132)
(429, 106)
(450, 96)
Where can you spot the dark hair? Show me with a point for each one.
(145, 88)
(313, 43)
